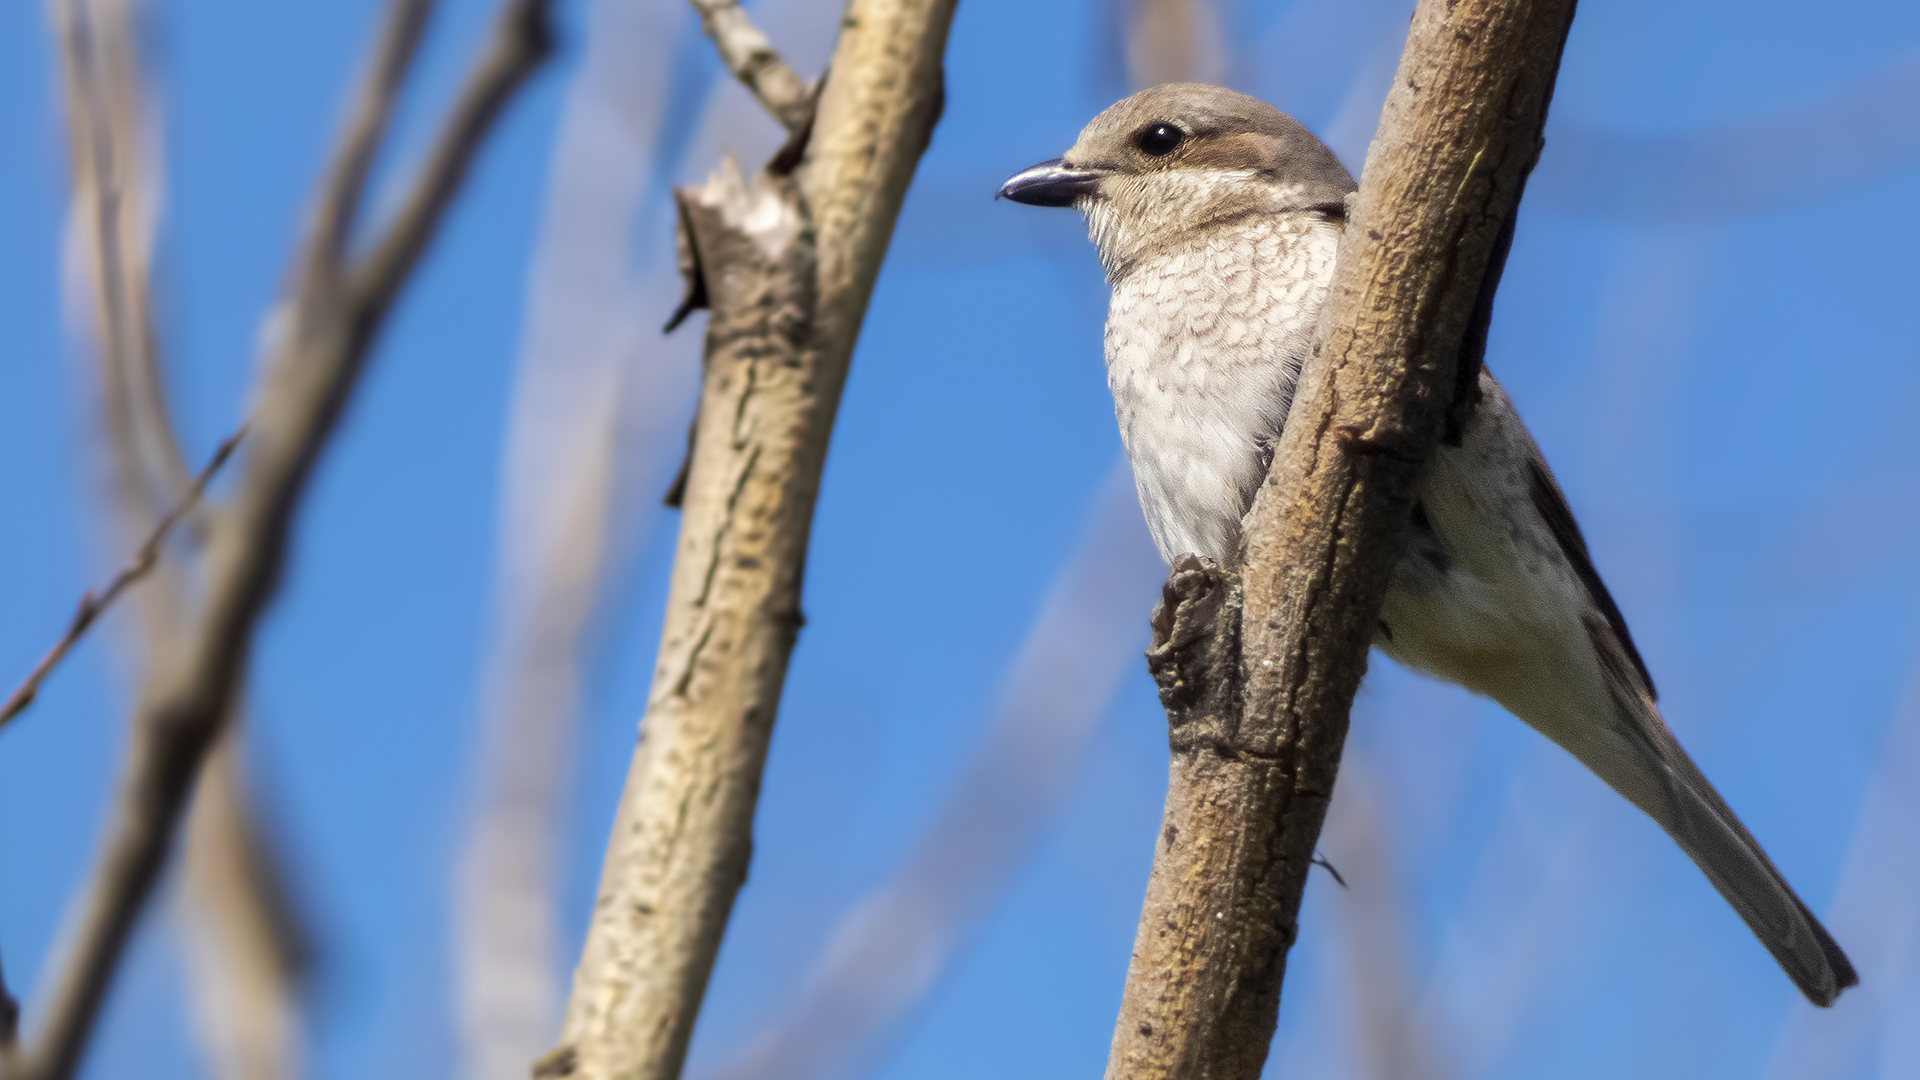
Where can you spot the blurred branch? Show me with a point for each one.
(890, 949)
(335, 313)
(520, 42)
(1257, 701)
(751, 58)
(321, 260)
(585, 439)
(789, 263)
(92, 605)
(115, 201)
(245, 950)
(509, 995)
(1392, 1039)
(1174, 41)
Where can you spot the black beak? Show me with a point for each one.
(1052, 183)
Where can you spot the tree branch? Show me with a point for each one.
(789, 262)
(92, 605)
(247, 946)
(312, 367)
(520, 43)
(586, 436)
(344, 180)
(245, 949)
(887, 954)
(751, 58)
(114, 199)
(1253, 764)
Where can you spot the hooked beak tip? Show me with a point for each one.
(1050, 183)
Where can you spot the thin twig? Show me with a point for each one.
(92, 604)
(747, 53)
(1320, 861)
(329, 330)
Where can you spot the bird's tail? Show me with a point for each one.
(1672, 790)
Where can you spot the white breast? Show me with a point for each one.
(1204, 343)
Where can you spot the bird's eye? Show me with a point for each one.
(1159, 140)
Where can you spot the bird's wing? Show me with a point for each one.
(1551, 505)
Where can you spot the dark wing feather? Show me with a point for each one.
(1551, 504)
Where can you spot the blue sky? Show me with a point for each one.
(1705, 321)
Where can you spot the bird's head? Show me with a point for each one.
(1179, 158)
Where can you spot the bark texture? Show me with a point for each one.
(1258, 673)
(786, 264)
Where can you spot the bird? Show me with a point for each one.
(1217, 220)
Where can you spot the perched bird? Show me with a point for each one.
(1217, 218)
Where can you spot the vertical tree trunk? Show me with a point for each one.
(1257, 698)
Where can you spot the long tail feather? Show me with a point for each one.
(1699, 820)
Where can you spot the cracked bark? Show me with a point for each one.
(1257, 665)
(785, 263)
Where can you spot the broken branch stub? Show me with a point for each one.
(787, 263)
(733, 612)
